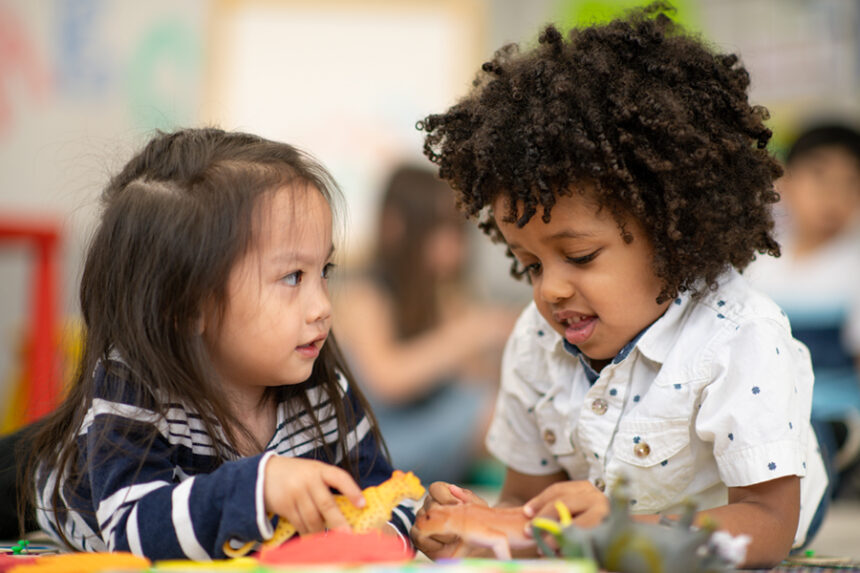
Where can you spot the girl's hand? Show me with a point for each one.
(298, 490)
(443, 546)
(588, 506)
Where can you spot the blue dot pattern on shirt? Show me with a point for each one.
(790, 426)
(636, 439)
(678, 300)
(731, 436)
(721, 303)
(777, 350)
(664, 462)
(543, 462)
(636, 398)
(771, 466)
(720, 315)
(756, 389)
(613, 392)
(677, 386)
(596, 456)
(540, 332)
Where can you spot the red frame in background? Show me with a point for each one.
(42, 368)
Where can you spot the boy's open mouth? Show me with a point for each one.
(577, 327)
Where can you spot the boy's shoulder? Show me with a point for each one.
(737, 301)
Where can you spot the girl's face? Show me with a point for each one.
(278, 312)
(595, 290)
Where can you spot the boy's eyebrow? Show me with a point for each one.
(565, 234)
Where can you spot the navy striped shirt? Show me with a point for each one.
(179, 503)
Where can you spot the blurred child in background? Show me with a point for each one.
(426, 353)
(817, 278)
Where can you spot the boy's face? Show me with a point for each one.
(822, 191)
(595, 290)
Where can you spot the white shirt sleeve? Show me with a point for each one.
(756, 409)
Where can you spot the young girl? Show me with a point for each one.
(212, 392)
(627, 173)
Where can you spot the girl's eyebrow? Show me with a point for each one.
(293, 257)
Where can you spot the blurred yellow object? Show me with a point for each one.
(70, 342)
(84, 563)
(240, 564)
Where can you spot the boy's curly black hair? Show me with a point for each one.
(655, 122)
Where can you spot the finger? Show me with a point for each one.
(464, 495)
(311, 517)
(440, 491)
(340, 480)
(293, 515)
(330, 514)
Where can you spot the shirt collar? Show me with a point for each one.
(654, 341)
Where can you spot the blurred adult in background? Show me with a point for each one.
(427, 353)
(817, 280)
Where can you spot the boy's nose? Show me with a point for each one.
(554, 288)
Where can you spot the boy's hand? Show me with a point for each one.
(588, 506)
(298, 490)
(443, 546)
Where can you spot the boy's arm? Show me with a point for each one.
(518, 487)
(767, 512)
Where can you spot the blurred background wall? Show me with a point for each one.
(83, 83)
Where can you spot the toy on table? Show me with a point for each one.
(380, 501)
(338, 547)
(498, 528)
(621, 544)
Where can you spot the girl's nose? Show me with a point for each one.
(319, 305)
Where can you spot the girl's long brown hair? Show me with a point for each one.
(174, 222)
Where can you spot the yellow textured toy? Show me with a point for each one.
(380, 501)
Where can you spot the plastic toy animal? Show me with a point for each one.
(498, 528)
(626, 546)
(381, 500)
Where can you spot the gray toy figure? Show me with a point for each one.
(623, 545)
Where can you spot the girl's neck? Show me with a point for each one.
(259, 418)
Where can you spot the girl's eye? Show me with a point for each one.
(328, 269)
(294, 278)
(584, 259)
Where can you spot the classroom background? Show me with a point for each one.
(83, 83)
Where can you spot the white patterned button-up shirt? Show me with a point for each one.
(714, 394)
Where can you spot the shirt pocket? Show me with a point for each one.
(656, 457)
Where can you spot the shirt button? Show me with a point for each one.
(641, 450)
(600, 484)
(599, 406)
(549, 437)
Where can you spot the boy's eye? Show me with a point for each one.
(294, 278)
(328, 269)
(583, 259)
(532, 270)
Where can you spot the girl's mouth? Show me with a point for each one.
(578, 328)
(311, 349)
